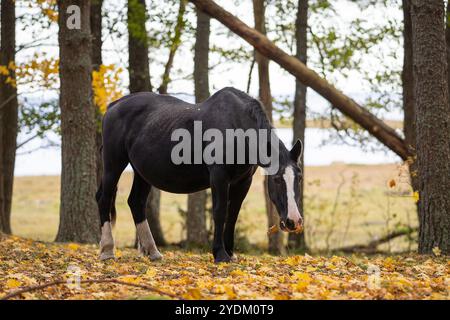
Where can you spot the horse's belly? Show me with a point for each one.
(177, 179)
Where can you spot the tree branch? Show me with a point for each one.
(371, 247)
(60, 282)
(385, 134)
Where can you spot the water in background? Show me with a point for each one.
(48, 161)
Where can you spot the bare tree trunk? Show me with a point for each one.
(8, 113)
(347, 106)
(79, 220)
(297, 241)
(197, 235)
(432, 124)
(409, 127)
(96, 31)
(139, 72)
(175, 43)
(276, 239)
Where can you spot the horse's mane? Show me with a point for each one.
(253, 107)
(256, 111)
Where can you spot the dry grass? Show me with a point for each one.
(363, 208)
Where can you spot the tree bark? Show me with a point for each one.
(96, 31)
(138, 69)
(175, 43)
(197, 234)
(447, 42)
(139, 73)
(432, 124)
(8, 113)
(409, 127)
(297, 241)
(347, 106)
(79, 220)
(275, 239)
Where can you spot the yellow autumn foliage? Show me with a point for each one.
(105, 84)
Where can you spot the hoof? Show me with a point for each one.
(153, 256)
(222, 256)
(107, 256)
(234, 258)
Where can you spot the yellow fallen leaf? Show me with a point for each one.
(304, 279)
(229, 290)
(416, 196)
(130, 279)
(436, 251)
(272, 230)
(193, 293)
(151, 272)
(293, 261)
(73, 246)
(13, 283)
(392, 183)
(238, 273)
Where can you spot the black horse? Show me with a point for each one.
(139, 129)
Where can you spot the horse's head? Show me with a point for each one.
(283, 189)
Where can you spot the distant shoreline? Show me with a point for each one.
(326, 123)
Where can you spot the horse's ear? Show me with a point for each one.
(296, 151)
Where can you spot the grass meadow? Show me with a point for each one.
(344, 205)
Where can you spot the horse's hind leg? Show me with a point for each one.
(137, 201)
(105, 197)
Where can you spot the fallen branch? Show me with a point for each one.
(115, 281)
(371, 247)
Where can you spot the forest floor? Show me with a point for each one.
(25, 264)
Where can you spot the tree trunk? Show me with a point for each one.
(276, 239)
(96, 31)
(8, 113)
(139, 72)
(79, 220)
(138, 68)
(409, 127)
(175, 43)
(347, 106)
(297, 241)
(432, 124)
(197, 235)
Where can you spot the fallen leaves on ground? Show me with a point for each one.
(194, 276)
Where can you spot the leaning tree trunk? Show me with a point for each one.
(79, 220)
(197, 234)
(139, 72)
(297, 241)
(347, 106)
(409, 120)
(8, 113)
(432, 124)
(96, 31)
(275, 239)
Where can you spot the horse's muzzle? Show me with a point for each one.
(289, 225)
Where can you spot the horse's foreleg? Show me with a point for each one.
(137, 201)
(238, 192)
(219, 188)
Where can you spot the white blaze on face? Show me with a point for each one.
(289, 179)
